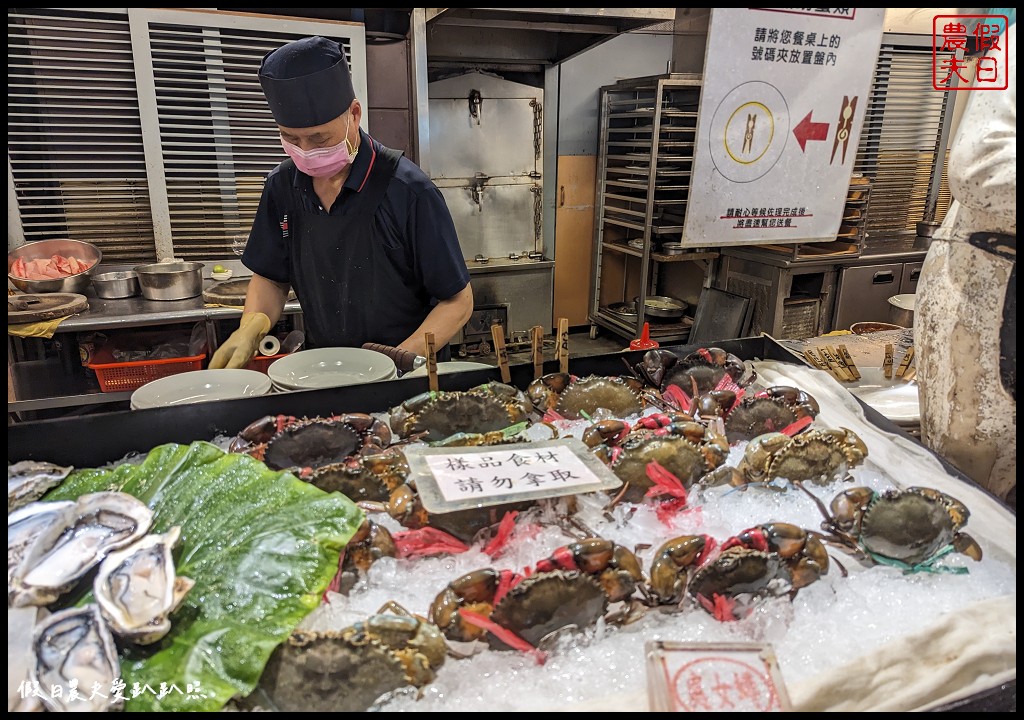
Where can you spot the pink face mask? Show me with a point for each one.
(321, 162)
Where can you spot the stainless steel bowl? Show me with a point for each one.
(901, 310)
(662, 306)
(45, 249)
(115, 285)
(170, 281)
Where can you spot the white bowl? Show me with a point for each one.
(200, 386)
(331, 367)
(449, 367)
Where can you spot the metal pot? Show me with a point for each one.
(170, 280)
(901, 310)
(44, 249)
(662, 306)
(115, 285)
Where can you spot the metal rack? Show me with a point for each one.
(648, 127)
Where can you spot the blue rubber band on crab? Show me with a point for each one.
(928, 566)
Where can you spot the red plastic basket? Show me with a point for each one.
(261, 363)
(126, 376)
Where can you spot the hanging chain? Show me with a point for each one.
(538, 193)
(538, 113)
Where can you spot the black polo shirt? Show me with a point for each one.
(413, 214)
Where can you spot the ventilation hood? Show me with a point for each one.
(529, 36)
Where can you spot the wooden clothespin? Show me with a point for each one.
(498, 336)
(834, 366)
(431, 353)
(563, 345)
(905, 364)
(814, 359)
(848, 360)
(848, 375)
(887, 363)
(537, 347)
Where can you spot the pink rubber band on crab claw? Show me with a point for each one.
(501, 537)
(727, 383)
(551, 416)
(678, 397)
(427, 542)
(722, 608)
(795, 427)
(504, 634)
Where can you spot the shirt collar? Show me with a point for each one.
(360, 167)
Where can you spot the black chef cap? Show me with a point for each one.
(307, 82)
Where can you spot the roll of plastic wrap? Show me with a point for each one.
(270, 345)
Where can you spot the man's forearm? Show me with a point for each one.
(445, 320)
(265, 296)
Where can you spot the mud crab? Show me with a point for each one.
(571, 588)
(345, 453)
(370, 543)
(439, 415)
(350, 669)
(818, 456)
(701, 371)
(780, 408)
(768, 560)
(911, 529)
(687, 449)
(574, 397)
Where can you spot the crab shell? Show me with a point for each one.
(371, 478)
(910, 526)
(743, 575)
(317, 442)
(549, 602)
(370, 543)
(697, 373)
(672, 563)
(688, 450)
(441, 414)
(768, 411)
(350, 669)
(572, 397)
(818, 456)
(405, 506)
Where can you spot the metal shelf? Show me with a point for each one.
(647, 133)
(45, 384)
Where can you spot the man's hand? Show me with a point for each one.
(238, 350)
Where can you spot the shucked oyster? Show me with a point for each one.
(137, 588)
(65, 551)
(27, 481)
(74, 648)
(26, 525)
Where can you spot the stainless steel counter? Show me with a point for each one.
(139, 312)
(770, 258)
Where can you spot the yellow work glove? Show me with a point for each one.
(238, 350)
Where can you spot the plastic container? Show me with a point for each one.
(129, 376)
(260, 363)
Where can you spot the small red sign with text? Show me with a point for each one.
(954, 35)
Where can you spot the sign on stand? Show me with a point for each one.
(455, 478)
(709, 677)
(781, 111)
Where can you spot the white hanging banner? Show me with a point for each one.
(782, 106)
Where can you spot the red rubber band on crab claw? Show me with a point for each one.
(665, 483)
(727, 383)
(552, 416)
(506, 581)
(503, 534)
(427, 542)
(504, 634)
(676, 396)
(335, 584)
(722, 608)
(796, 427)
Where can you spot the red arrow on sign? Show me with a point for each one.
(808, 130)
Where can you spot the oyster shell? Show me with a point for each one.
(137, 588)
(75, 649)
(28, 480)
(68, 549)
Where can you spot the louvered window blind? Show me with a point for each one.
(145, 131)
(905, 129)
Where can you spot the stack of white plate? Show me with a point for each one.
(894, 398)
(330, 367)
(200, 386)
(449, 367)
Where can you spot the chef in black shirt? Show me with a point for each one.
(355, 228)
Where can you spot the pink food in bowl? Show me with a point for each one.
(54, 268)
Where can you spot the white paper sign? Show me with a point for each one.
(709, 677)
(781, 111)
(448, 479)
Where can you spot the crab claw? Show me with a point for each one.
(964, 543)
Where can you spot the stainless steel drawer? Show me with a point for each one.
(864, 293)
(911, 272)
